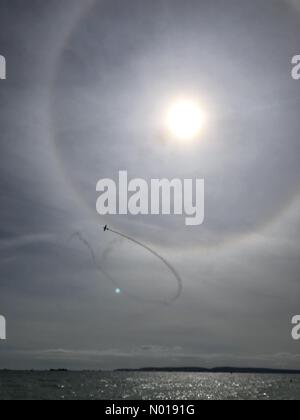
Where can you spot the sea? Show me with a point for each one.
(115, 386)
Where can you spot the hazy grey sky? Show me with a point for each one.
(87, 86)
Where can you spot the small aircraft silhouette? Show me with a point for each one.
(105, 228)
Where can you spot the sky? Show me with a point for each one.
(86, 90)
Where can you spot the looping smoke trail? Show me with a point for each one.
(165, 262)
(81, 238)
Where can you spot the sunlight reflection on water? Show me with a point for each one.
(147, 386)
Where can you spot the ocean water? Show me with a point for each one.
(146, 386)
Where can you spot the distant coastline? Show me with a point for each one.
(213, 370)
(228, 370)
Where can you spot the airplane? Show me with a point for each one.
(105, 228)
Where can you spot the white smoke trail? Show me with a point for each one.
(162, 259)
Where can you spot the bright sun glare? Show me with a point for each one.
(184, 120)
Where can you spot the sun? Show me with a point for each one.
(184, 120)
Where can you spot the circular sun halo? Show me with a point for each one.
(184, 120)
